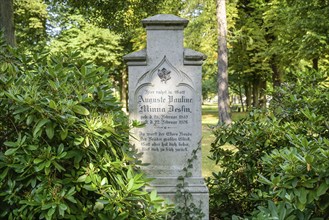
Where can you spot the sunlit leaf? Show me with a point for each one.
(79, 109)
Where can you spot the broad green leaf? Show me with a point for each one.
(105, 202)
(29, 119)
(51, 212)
(276, 180)
(78, 140)
(139, 193)
(122, 216)
(79, 109)
(77, 160)
(300, 206)
(32, 147)
(309, 158)
(38, 160)
(82, 178)
(137, 186)
(62, 206)
(58, 167)
(71, 199)
(10, 151)
(52, 105)
(21, 110)
(322, 189)
(282, 211)
(40, 167)
(311, 196)
(64, 134)
(120, 180)
(39, 125)
(52, 84)
(90, 187)
(62, 155)
(84, 70)
(11, 144)
(50, 130)
(130, 184)
(71, 191)
(273, 209)
(98, 206)
(129, 173)
(47, 170)
(4, 173)
(303, 195)
(46, 206)
(60, 149)
(47, 163)
(264, 180)
(61, 212)
(87, 99)
(153, 195)
(88, 179)
(104, 181)
(33, 182)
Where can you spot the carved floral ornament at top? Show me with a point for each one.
(164, 75)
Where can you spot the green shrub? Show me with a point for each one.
(277, 166)
(64, 150)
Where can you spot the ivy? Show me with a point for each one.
(185, 208)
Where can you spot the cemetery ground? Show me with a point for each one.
(209, 120)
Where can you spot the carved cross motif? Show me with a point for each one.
(164, 75)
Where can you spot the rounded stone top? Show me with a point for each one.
(165, 20)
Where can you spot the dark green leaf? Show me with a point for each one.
(39, 126)
(322, 189)
(50, 130)
(10, 151)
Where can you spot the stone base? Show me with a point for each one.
(167, 188)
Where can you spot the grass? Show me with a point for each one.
(209, 120)
(208, 165)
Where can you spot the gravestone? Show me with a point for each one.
(165, 94)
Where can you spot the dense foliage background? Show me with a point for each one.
(277, 164)
(64, 150)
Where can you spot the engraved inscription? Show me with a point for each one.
(167, 114)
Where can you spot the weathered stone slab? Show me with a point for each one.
(165, 94)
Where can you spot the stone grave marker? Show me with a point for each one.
(165, 94)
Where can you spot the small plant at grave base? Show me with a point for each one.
(185, 209)
(64, 145)
(278, 167)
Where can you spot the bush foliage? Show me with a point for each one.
(64, 150)
(277, 164)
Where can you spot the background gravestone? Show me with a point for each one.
(165, 94)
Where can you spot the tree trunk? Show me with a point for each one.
(276, 74)
(262, 93)
(241, 98)
(247, 89)
(255, 92)
(124, 97)
(7, 21)
(315, 62)
(222, 76)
